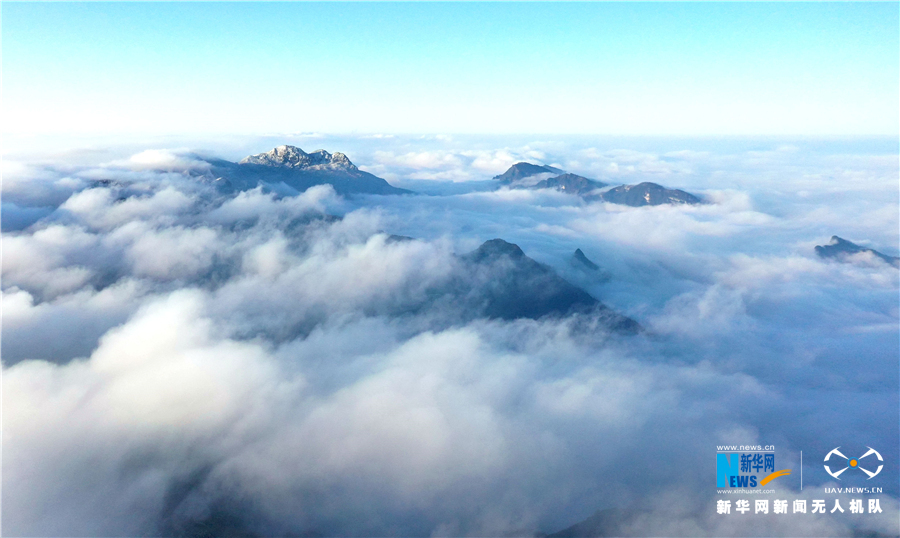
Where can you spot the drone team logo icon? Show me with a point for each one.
(854, 463)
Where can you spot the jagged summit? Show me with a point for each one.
(294, 157)
(289, 170)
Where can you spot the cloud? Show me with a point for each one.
(449, 164)
(419, 160)
(37, 185)
(165, 160)
(50, 261)
(99, 208)
(147, 381)
(255, 204)
(18, 218)
(175, 359)
(66, 327)
(170, 253)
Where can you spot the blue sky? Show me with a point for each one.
(606, 68)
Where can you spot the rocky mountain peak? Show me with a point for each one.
(293, 157)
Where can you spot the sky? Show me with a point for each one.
(806, 69)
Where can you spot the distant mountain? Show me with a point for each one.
(289, 168)
(520, 171)
(646, 193)
(586, 271)
(634, 195)
(294, 157)
(571, 184)
(580, 261)
(502, 282)
(840, 249)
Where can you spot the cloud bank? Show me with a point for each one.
(176, 362)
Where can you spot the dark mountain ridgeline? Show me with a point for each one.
(506, 284)
(840, 249)
(642, 194)
(581, 261)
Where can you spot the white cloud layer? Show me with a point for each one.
(174, 358)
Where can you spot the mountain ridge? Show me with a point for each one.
(638, 195)
(571, 184)
(294, 157)
(647, 193)
(288, 169)
(840, 249)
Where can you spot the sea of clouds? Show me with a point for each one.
(179, 361)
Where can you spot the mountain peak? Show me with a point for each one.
(288, 170)
(513, 286)
(582, 262)
(494, 249)
(522, 170)
(293, 157)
